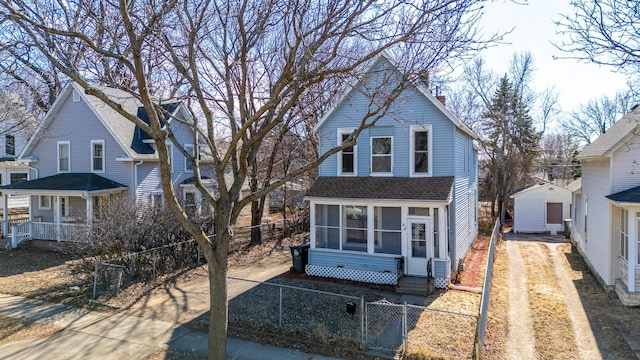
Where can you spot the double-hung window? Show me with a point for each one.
(420, 148)
(97, 155)
(347, 158)
(64, 156)
(382, 155)
(10, 145)
(188, 164)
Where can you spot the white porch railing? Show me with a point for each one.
(46, 231)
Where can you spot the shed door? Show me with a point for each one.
(554, 213)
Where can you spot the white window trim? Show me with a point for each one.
(186, 161)
(347, 131)
(16, 172)
(40, 202)
(101, 142)
(413, 129)
(68, 143)
(170, 151)
(371, 156)
(76, 96)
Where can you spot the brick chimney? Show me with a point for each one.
(441, 98)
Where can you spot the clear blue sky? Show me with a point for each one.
(534, 29)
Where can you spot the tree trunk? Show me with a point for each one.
(218, 315)
(256, 220)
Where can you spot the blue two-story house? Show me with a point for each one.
(85, 153)
(403, 200)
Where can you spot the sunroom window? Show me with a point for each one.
(327, 226)
(388, 230)
(354, 236)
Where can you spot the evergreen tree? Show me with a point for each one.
(511, 145)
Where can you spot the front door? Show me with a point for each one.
(420, 244)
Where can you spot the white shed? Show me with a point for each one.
(541, 208)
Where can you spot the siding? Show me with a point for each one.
(464, 228)
(624, 174)
(416, 109)
(595, 186)
(76, 123)
(352, 260)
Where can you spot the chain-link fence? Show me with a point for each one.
(399, 328)
(111, 275)
(320, 313)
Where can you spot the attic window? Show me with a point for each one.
(76, 96)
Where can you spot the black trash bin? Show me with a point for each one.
(300, 257)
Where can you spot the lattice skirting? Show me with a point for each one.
(374, 277)
(441, 283)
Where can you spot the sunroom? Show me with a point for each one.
(363, 236)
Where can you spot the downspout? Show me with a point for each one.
(135, 180)
(35, 169)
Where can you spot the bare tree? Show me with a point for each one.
(596, 116)
(243, 67)
(558, 158)
(604, 32)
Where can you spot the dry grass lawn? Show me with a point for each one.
(498, 316)
(12, 330)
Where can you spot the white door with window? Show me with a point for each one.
(420, 246)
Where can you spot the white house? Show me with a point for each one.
(607, 207)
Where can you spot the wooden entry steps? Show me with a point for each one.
(413, 285)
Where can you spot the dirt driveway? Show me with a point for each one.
(556, 307)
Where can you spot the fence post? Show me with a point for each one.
(154, 263)
(95, 278)
(362, 337)
(280, 309)
(404, 327)
(119, 283)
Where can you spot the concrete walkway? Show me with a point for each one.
(96, 335)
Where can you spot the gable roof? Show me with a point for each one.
(68, 182)
(419, 85)
(126, 134)
(538, 187)
(387, 188)
(575, 185)
(624, 128)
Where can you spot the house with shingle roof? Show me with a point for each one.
(84, 152)
(403, 200)
(606, 207)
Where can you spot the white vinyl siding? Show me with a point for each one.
(64, 156)
(97, 156)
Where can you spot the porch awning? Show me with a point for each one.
(435, 189)
(73, 184)
(629, 197)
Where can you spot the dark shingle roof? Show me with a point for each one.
(137, 143)
(192, 180)
(629, 196)
(424, 188)
(67, 181)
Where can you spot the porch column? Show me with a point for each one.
(89, 202)
(442, 230)
(312, 224)
(370, 231)
(58, 216)
(633, 250)
(5, 215)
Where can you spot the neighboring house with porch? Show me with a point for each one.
(16, 127)
(606, 219)
(84, 152)
(403, 201)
